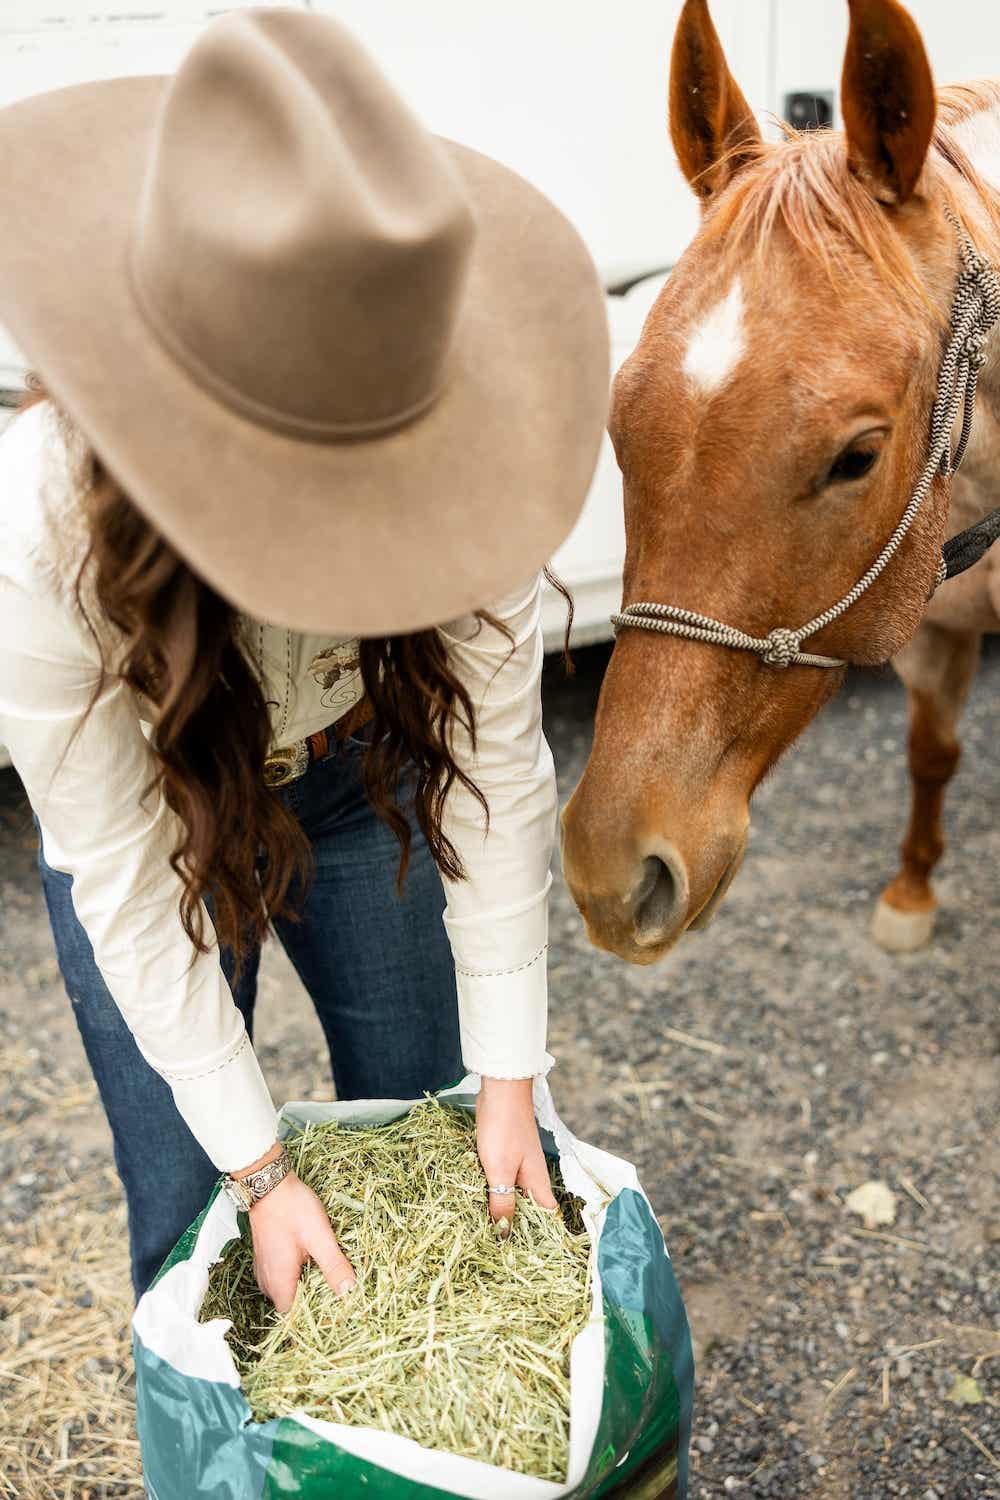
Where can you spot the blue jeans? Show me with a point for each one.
(378, 968)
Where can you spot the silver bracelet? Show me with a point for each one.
(244, 1192)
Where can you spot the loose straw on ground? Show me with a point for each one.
(66, 1397)
(454, 1338)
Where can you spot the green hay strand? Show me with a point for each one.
(455, 1338)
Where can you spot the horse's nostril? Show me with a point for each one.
(655, 900)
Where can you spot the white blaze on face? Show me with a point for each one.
(718, 342)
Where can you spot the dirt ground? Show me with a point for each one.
(766, 1070)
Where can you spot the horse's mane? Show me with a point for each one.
(802, 186)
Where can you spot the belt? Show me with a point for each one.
(288, 763)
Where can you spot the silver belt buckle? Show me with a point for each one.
(286, 763)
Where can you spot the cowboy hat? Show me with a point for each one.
(355, 374)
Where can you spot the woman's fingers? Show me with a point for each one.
(278, 1275)
(502, 1200)
(332, 1261)
(533, 1178)
(509, 1148)
(501, 1168)
(289, 1227)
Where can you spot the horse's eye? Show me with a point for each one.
(853, 463)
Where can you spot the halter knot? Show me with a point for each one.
(783, 647)
(975, 350)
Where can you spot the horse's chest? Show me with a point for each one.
(972, 600)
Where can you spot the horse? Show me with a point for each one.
(774, 428)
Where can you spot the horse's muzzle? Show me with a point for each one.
(637, 901)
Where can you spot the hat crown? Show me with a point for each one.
(302, 241)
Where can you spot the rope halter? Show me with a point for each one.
(975, 311)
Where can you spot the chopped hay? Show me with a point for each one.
(455, 1338)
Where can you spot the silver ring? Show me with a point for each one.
(502, 1190)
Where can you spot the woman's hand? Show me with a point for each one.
(290, 1226)
(509, 1148)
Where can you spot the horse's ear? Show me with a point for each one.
(711, 124)
(887, 98)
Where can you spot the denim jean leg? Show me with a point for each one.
(166, 1175)
(377, 965)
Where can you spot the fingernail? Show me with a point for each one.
(503, 1228)
(347, 1286)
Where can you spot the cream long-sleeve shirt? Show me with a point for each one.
(87, 784)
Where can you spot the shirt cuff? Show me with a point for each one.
(502, 980)
(228, 1109)
(504, 1020)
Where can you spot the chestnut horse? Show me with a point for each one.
(771, 426)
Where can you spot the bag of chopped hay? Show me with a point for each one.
(556, 1363)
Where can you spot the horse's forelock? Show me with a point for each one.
(803, 188)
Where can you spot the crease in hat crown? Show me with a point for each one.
(302, 242)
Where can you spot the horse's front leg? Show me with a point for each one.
(937, 667)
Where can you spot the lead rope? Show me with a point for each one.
(975, 310)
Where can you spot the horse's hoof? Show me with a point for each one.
(901, 931)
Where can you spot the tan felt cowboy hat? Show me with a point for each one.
(355, 374)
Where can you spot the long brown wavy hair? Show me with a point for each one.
(180, 648)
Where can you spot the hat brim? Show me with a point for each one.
(365, 537)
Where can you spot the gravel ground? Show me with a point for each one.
(767, 1069)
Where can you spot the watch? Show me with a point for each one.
(244, 1192)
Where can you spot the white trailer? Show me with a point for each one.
(573, 96)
